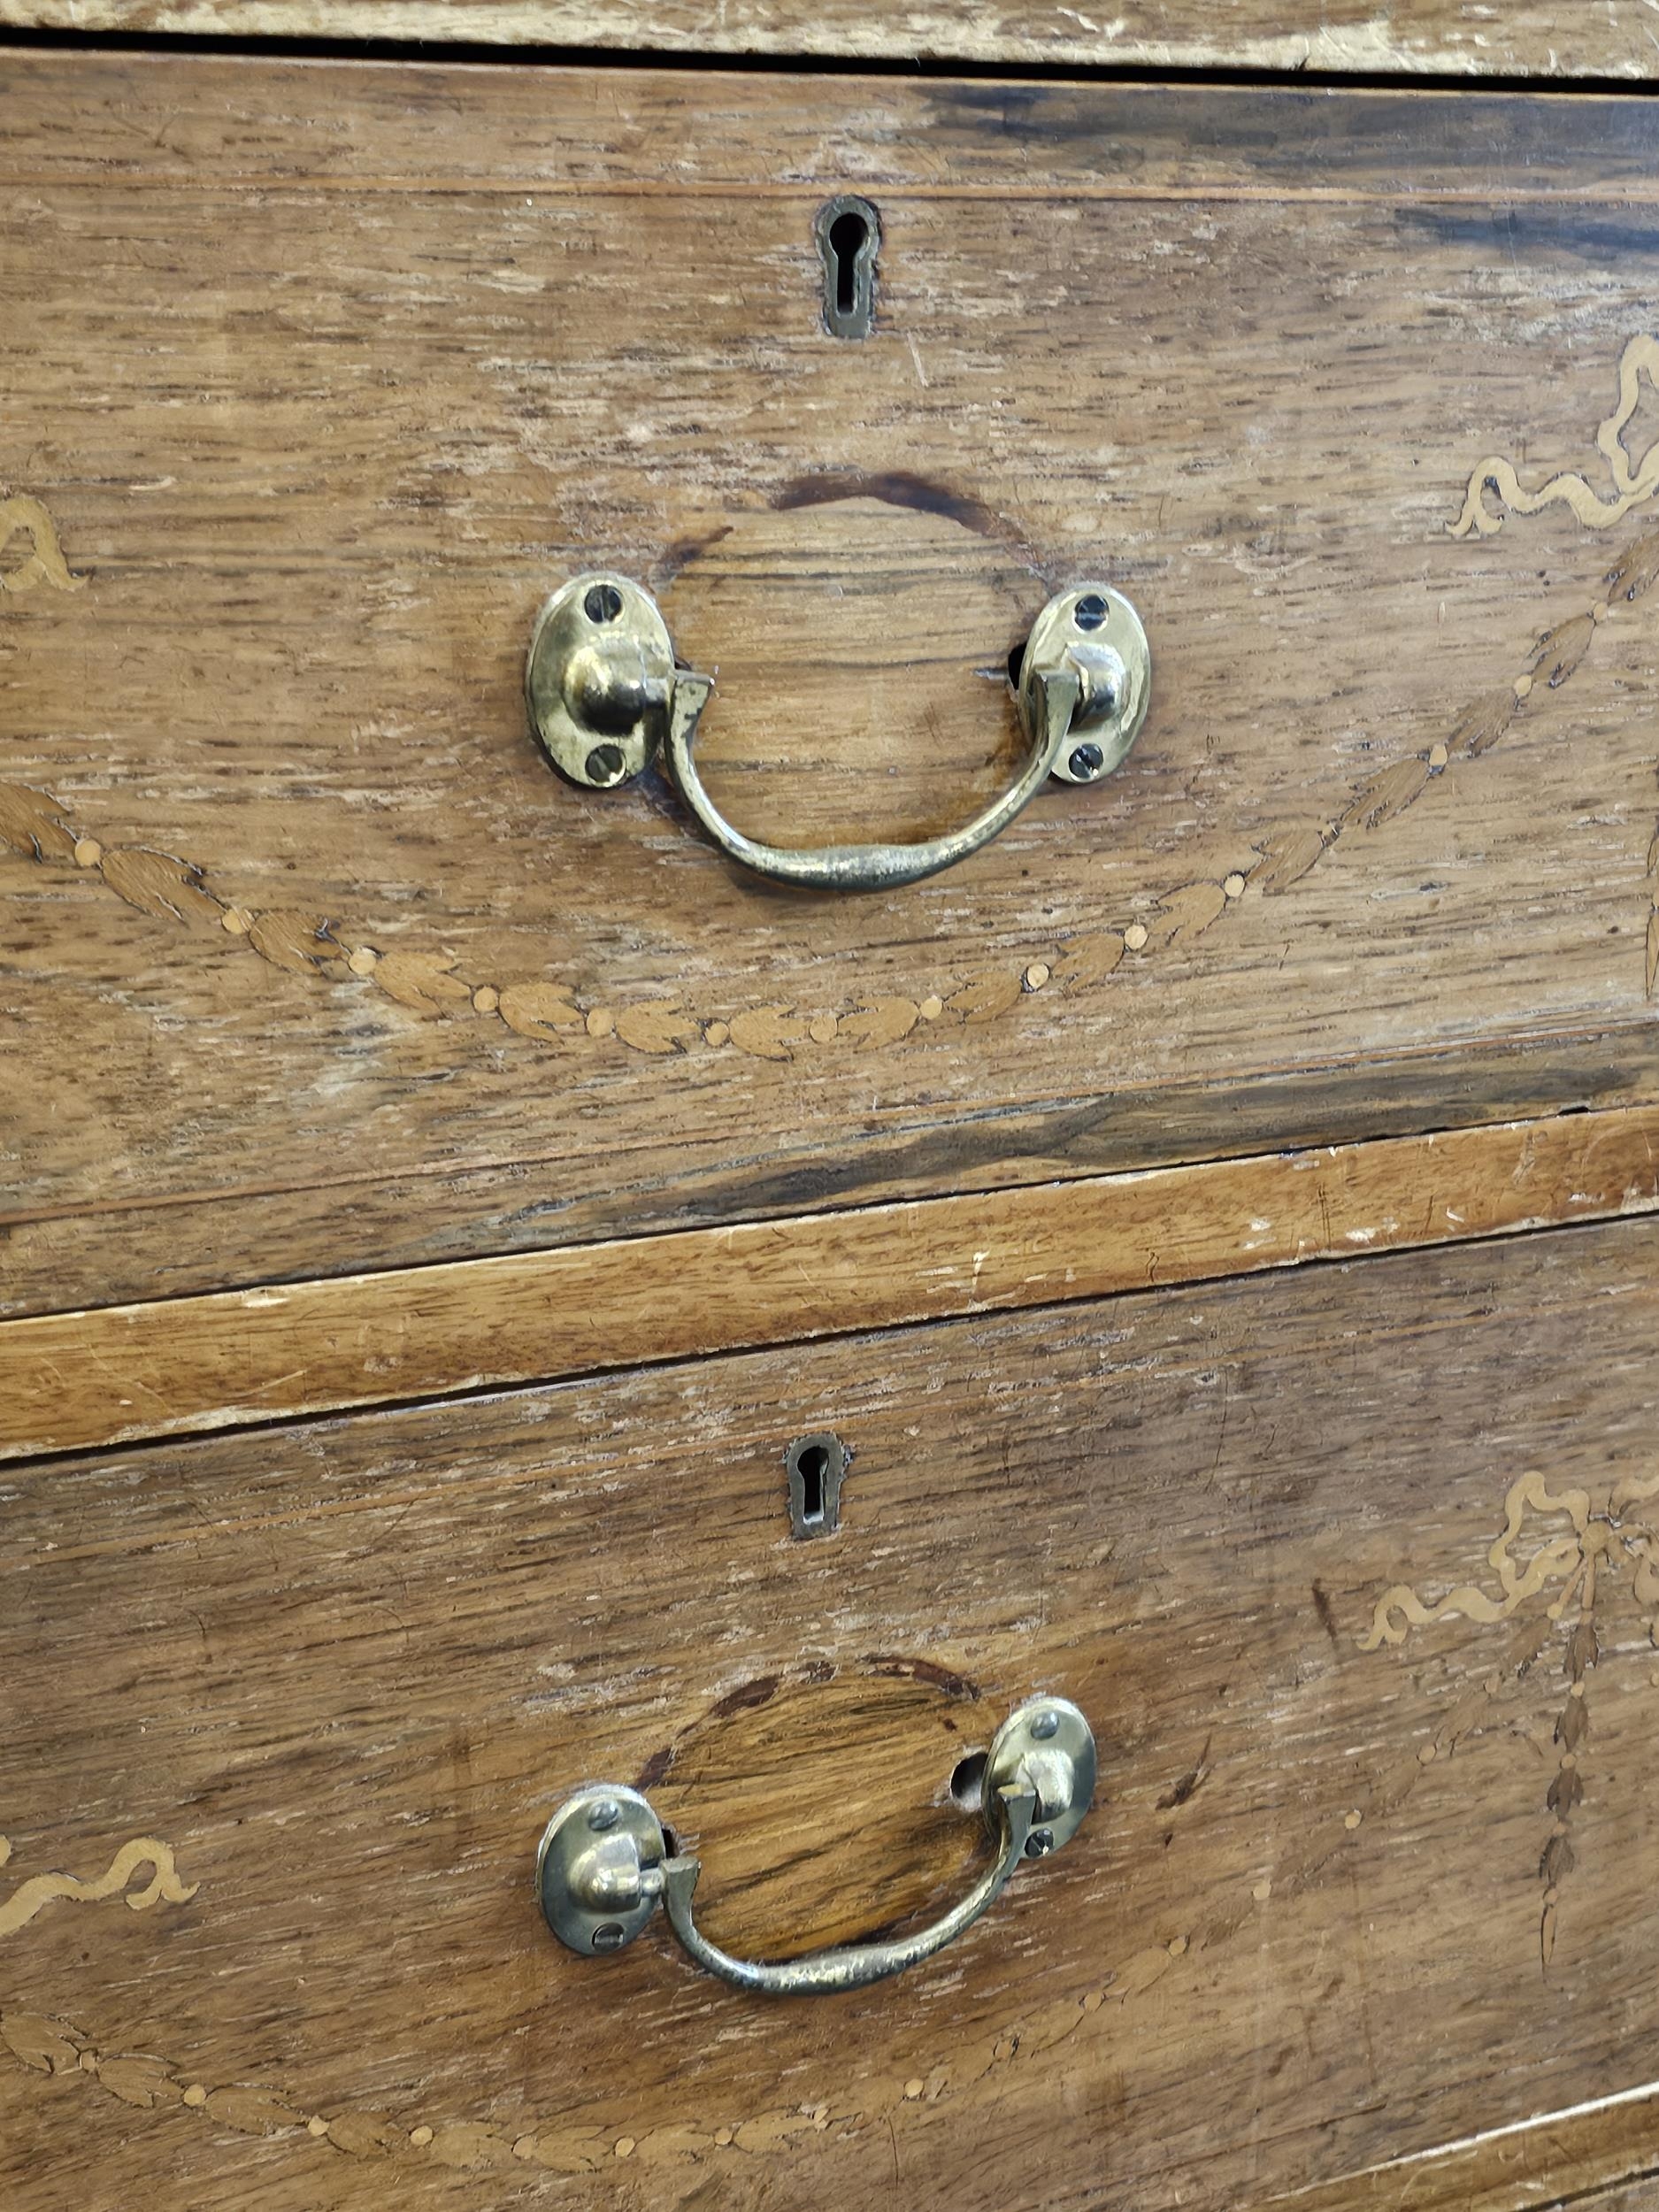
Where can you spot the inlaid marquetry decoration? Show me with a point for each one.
(1018, 2053)
(431, 983)
(1575, 1553)
(21, 517)
(1635, 478)
(34, 1895)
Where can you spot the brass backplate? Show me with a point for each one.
(599, 679)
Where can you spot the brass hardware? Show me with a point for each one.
(599, 679)
(605, 693)
(605, 1862)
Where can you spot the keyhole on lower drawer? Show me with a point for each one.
(815, 1466)
(848, 232)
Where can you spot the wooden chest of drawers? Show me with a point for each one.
(1207, 1231)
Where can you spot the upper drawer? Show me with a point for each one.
(320, 378)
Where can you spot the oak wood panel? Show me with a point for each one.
(1453, 38)
(1359, 1594)
(80, 1380)
(319, 376)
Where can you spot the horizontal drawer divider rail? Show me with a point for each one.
(73, 1381)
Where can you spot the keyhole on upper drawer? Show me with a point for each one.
(815, 1466)
(848, 232)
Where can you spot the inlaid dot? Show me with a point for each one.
(1599, 611)
(1232, 886)
(624, 2147)
(820, 2117)
(420, 2137)
(1569, 1760)
(912, 2090)
(486, 998)
(931, 1009)
(1523, 686)
(89, 2062)
(1438, 758)
(525, 2148)
(717, 1033)
(1096, 1999)
(1036, 975)
(1353, 1819)
(1425, 1754)
(196, 2093)
(1263, 1891)
(89, 852)
(723, 2136)
(363, 961)
(1177, 1947)
(822, 1029)
(1552, 1896)
(317, 2125)
(1135, 936)
(236, 921)
(1577, 1690)
(601, 1021)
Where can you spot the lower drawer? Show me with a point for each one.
(1351, 1569)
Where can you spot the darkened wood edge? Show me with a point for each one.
(259, 123)
(1453, 44)
(73, 1381)
(405, 1219)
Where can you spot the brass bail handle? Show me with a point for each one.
(604, 1863)
(606, 695)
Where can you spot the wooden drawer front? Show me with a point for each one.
(1352, 1571)
(319, 377)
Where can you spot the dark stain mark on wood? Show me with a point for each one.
(945, 1678)
(898, 488)
(746, 1697)
(1190, 1783)
(1325, 1610)
(681, 554)
(656, 1769)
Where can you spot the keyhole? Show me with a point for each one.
(812, 1463)
(848, 232)
(815, 1466)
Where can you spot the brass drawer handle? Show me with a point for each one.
(605, 695)
(604, 1863)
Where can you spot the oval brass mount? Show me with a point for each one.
(605, 1862)
(605, 695)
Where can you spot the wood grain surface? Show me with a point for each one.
(318, 376)
(78, 1380)
(1353, 1570)
(1451, 38)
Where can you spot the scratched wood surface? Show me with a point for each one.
(1453, 38)
(228, 1358)
(1353, 1570)
(318, 376)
